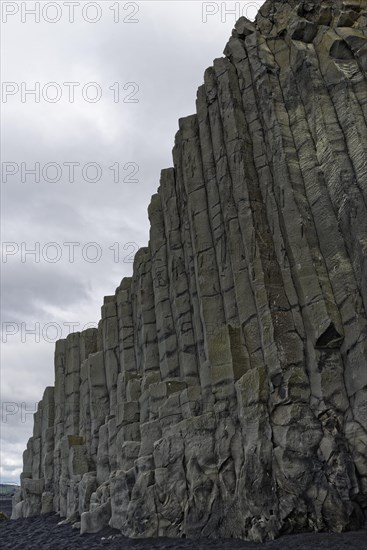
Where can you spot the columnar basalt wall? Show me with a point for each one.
(224, 393)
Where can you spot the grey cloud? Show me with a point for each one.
(28, 290)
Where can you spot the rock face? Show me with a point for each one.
(224, 392)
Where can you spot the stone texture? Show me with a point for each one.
(224, 392)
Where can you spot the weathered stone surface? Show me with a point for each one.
(224, 393)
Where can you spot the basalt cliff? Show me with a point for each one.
(224, 393)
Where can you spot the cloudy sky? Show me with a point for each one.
(91, 95)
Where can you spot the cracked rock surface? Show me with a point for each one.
(224, 393)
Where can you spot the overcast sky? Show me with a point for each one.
(146, 60)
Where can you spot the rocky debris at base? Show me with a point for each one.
(46, 533)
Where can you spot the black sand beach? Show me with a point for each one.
(44, 533)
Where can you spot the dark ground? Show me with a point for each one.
(43, 533)
(5, 505)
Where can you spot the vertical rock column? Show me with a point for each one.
(48, 444)
(180, 297)
(60, 375)
(127, 432)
